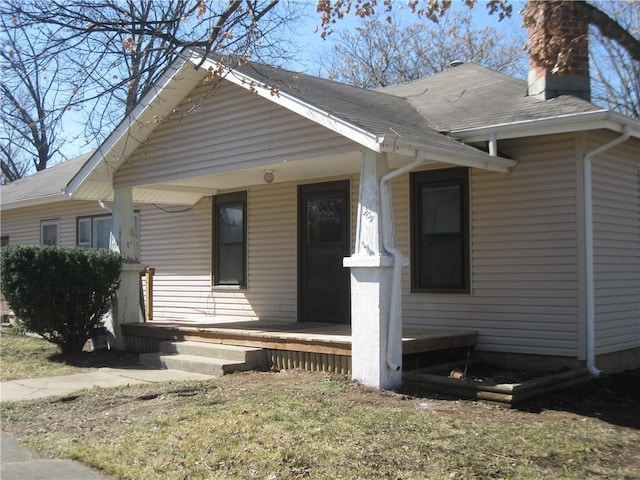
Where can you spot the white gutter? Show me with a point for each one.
(388, 241)
(35, 201)
(593, 120)
(589, 256)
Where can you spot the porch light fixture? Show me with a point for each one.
(268, 176)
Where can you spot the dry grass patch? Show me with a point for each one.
(29, 356)
(309, 425)
(23, 356)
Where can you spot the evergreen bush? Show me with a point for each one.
(60, 293)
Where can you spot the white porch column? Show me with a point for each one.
(371, 285)
(126, 306)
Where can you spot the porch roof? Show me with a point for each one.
(373, 120)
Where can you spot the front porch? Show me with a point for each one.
(307, 346)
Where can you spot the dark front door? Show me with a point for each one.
(323, 224)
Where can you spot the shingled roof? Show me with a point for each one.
(374, 111)
(48, 184)
(469, 96)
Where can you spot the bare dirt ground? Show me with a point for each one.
(611, 398)
(608, 407)
(614, 398)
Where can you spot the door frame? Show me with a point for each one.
(342, 187)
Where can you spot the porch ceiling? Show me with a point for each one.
(189, 190)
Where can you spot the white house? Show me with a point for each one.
(462, 201)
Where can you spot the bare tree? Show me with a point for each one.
(434, 10)
(383, 52)
(615, 75)
(119, 48)
(33, 105)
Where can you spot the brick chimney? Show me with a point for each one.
(558, 50)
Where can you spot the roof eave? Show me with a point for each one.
(471, 158)
(120, 143)
(575, 122)
(35, 201)
(367, 139)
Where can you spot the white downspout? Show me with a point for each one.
(589, 255)
(388, 242)
(493, 145)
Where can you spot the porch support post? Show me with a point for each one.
(371, 285)
(126, 306)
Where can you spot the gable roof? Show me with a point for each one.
(375, 120)
(388, 119)
(431, 115)
(42, 187)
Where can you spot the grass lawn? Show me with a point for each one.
(294, 425)
(27, 356)
(23, 356)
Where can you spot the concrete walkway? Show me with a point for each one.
(19, 463)
(34, 388)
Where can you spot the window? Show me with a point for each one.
(49, 232)
(4, 240)
(230, 239)
(95, 231)
(440, 231)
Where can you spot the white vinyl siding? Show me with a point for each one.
(524, 279)
(616, 213)
(178, 245)
(273, 251)
(176, 241)
(220, 136)
(23, 225)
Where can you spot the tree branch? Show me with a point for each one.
(609, 28)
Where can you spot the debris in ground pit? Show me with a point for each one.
(459, 374)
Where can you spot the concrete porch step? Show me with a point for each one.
(251, 355)
(206, 358)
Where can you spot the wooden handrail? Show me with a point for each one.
(148, 273)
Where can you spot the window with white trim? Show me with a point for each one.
(440, 231)
(230, 239)
(50, 232)
(95, 231)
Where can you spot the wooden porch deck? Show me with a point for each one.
(314, 346)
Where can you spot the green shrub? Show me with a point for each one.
(60, 293)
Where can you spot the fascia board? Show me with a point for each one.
(35, 201)
(120, 142)
(596, 120)
(471, 158)
(298, 106)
